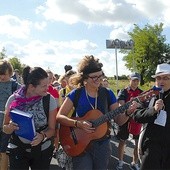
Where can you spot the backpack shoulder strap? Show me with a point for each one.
(46, 104)
(14, 86)
(123, 94)
(126, 91)
(64, 92)
(75, 101)
(104, 97)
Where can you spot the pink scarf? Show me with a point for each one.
(21, 101)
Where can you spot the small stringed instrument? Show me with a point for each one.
(75, 140)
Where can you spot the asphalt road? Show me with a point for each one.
(113, 160)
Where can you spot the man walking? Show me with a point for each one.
(130, 126)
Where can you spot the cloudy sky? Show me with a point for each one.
(53, 33)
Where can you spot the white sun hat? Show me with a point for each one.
(162, 69)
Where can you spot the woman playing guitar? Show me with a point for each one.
(87, 133)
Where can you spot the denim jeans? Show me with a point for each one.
(95, 158)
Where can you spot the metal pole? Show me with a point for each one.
(116, 69)
(133, 63)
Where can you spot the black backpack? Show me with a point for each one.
(46, 104)
(104, 99)
(14, 86)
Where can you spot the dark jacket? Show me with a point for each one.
(155, 133)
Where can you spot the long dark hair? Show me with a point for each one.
(33, 76)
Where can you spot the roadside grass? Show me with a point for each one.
(124, 83)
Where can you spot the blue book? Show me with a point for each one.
(25, 123)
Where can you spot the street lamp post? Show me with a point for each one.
(119, 44)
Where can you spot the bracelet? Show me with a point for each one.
(75, 123)
(44, 136)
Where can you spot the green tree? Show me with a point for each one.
(149, 50)
(16, 64)
(3, 53)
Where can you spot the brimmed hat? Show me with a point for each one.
(162, 69)
(16, 70)
(134, 76)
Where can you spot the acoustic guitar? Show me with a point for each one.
(75, 140)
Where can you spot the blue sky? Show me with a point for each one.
(53, 33)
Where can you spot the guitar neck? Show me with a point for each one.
(142, 97)
(108, 116)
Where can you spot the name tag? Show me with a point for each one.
(161, 119)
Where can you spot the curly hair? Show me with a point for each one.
(89, 64)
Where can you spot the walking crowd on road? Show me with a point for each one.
(71, 116)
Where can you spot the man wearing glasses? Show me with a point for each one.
(155, 144)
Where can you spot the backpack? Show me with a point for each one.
(46, 104)
(14, 86)
(46, 101)
(64, 92)
(104, 97)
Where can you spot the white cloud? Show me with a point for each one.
(14, 27)
(111, 12)
(120, 32)
(96, 12)
(48, 55)
(82, 45)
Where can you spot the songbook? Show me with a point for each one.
(25, 123)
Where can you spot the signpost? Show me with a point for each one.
(119, 44)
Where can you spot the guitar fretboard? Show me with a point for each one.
(108, 116)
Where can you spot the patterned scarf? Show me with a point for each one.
(21, 101)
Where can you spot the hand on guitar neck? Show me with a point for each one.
(132, 108)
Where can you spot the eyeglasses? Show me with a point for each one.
(95, 78)
(163, 78)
